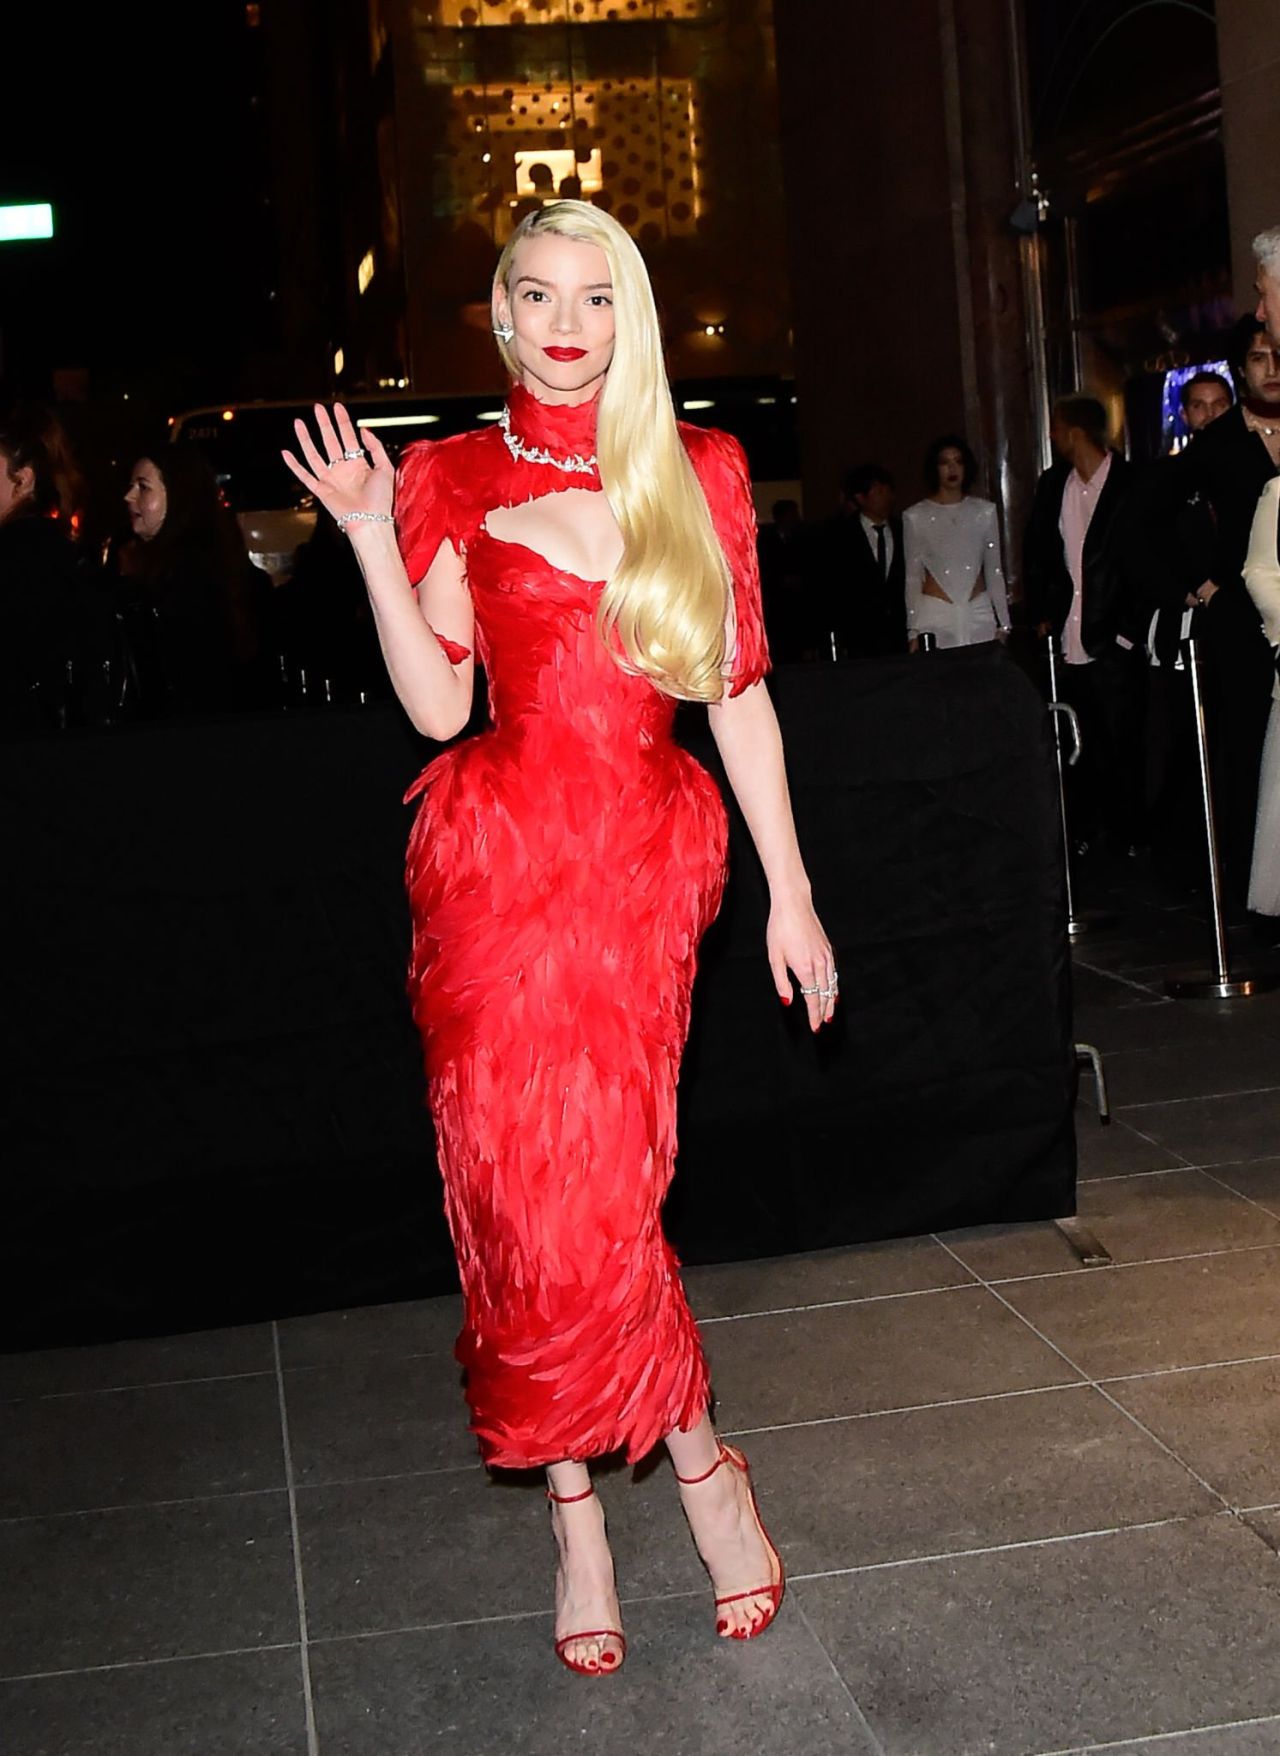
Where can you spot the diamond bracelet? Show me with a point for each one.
(367, 517)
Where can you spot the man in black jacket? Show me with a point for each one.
(1228, 467)
(863, 577)
(1173, 541)
(1078, 588)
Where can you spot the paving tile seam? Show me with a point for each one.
(352, 1362)
(1004, 1280)
(1128, 1414)
(142, 1664)
(1045, 1542)
(1139, 1176)
(1238, 1193)
(968, 1286)
(308, 1702)
(653, 1597)
(142, 1505)
(1111, 975)
(909, 1408)
(1229, 1725)
(1211, 1097)
(123, 1389)
(1171, 1371)
(395, 1475)
(864, 1724)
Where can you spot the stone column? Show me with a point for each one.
(1249, 70)
(899, 145)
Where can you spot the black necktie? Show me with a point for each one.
(882, 553)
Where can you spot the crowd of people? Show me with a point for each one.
(1120, 563)
(165, 614)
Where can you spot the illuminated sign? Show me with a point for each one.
(32, 220)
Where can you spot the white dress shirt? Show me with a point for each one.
(1079, 503)
(870, 530)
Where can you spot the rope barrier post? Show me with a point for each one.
(1061, 712)
(1218, 983)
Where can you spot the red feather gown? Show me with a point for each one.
(561, 871)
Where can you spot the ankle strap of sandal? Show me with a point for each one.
(569, 1499)
(692, 1481)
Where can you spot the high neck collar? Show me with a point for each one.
(564, 429)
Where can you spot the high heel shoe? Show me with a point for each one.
(778, 1583)
(608, 1662)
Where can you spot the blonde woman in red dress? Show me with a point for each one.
(599, 559)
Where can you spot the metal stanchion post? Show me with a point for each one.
(1217, 983)
(1078, 921)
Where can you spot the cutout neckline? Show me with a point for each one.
(537, 555)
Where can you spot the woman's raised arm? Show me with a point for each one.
(422, 636)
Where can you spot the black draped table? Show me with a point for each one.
(215, 1104)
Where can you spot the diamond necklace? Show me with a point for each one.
(575, 465)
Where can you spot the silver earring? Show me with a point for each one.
(503, 331)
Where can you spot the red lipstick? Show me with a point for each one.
(565, 353)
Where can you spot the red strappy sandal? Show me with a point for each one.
(778, 1584)
(608, 1662)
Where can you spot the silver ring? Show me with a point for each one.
(815, 990)
(827, 993)
(351, 456)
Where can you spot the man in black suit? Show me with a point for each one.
(863, 584)
(1228, 467)
(1173, 539)
(1078, 587)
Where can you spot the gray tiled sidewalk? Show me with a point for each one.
(1027, 1507)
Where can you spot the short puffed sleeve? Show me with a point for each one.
(721, 467)
(422, 508)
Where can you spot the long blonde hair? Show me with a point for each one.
(666, 602)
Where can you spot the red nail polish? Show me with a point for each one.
(721, 1627)
(786, 999)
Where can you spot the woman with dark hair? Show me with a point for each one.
(187, 580)
(54, 626)
(951, 541)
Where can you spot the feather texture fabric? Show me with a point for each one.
(561, 871)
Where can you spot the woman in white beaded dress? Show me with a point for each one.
(1262, 577)
(951, 550)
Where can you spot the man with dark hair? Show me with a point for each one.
(1173, 538)
(863, 579)
(1204, 397)
(1077, 588)
(1229, 465)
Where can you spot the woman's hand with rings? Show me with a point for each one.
(340, 475)
(798, 946)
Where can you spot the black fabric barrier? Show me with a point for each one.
(215, 1092)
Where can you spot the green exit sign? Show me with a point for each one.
(33, 219)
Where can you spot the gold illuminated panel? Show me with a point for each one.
(631, 145)
(467, 14)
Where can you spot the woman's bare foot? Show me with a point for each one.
(586, 1595)
(728, 1537)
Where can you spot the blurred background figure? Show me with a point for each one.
(55, 623)
(1228, 466)
(786, 583)
(954, 580)
(1078, 588)
(1266, 253)
(1173, 537)
(1262, 578)
(195, 609)
(324, 628)
(861, 606)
